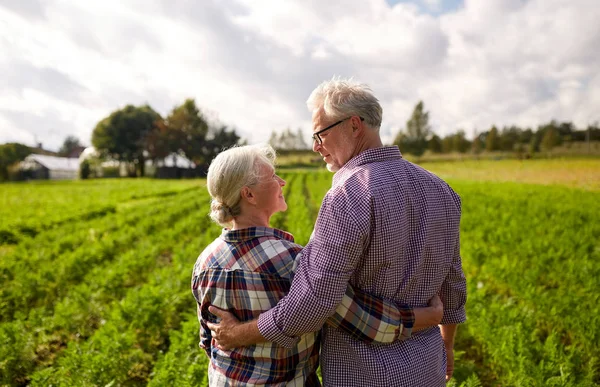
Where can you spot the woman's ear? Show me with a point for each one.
(247, 194)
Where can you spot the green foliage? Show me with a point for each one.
(476, 145)
(435, 144)
(84, 169)
(9, 154)
(186, 131)
(96, 287)
(550, 139)
(69, 145)
(492, 141)
(414, 139)
(123, 134)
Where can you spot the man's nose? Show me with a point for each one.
(316, 146)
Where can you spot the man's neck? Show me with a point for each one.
(366, 143)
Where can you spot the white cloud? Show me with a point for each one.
(67, 64)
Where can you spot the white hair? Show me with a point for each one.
(342, 98)
(229, 172)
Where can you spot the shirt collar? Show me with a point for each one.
(368, 156)
(245, 234)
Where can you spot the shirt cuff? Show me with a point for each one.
(408, 320)
(268, 328)
(454, 316)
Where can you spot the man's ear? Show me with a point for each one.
(357, 127)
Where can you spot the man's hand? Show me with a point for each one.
(223, 333)
(449, 363)
(231, 333)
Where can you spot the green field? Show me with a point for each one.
(96, 275)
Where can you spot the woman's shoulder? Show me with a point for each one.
(266, 254)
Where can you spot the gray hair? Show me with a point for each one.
(229, 172)
(342, 98)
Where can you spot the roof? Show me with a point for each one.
(54, 163)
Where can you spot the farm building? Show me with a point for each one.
(49, 167)
(173, 166)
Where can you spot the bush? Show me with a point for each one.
(84, 169)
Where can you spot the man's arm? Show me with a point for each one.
(448, 334)
(454, 291)
(319, 283)
(322, 276)
(230, 333)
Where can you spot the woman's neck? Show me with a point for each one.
(251, 220)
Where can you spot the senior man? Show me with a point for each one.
(386, 226)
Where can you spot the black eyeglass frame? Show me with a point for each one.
(317, 138)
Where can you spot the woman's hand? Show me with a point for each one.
(429, 316)
(437, 308)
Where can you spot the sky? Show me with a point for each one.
(251, 64)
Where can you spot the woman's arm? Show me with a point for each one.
(376, 320)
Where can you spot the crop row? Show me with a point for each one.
(136, 329)
(27, 209)
(531, 258)
(37, 275)
(35, 340)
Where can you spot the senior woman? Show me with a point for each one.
(249, 268)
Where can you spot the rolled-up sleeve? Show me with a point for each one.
(454, 288)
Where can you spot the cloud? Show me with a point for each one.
(252, 63)
(32, 9)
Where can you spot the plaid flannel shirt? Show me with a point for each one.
(247, 272)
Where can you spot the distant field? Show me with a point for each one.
(577, 173)
(96, 275)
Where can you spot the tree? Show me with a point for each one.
(123, 134)
(414, 140)
(435, 144)
(9, 154)
(219, 139)
(187, 129)
(448, 144)
(550, 140)
(460, 142)
(71, 143)
(288, 140)
(509, 137)
(492, 142)
(84, 169)
(477, 144)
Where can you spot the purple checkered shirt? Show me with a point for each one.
(391, 229)
(247, 272)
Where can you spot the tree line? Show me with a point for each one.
(135, 134)
(418, 137)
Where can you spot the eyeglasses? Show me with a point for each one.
(316, 136)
